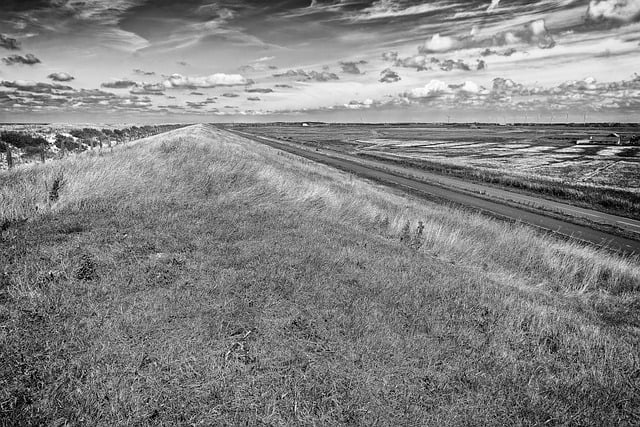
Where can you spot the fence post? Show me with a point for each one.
(9, 158)
(42, 156)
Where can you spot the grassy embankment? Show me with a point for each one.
(592, 196)
(199, 278)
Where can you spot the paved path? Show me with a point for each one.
(458, 191)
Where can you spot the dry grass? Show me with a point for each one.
(199, 278)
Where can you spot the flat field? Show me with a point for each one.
(199, 278)
(535, 159)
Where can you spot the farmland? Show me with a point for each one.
(537, 159)
(199, 278)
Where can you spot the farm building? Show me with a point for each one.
(610, 139)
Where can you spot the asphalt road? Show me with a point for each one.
(451, 192)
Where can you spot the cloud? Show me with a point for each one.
(230, 95)
(196, 104)
(450, 64)
(494, 4)
(389, 76)
(119, 84)
(260, 90)
(253, 98)
(432, 89)
(31, 86)
(9, 43)
(28, 59)
(197, 93)
(351, 67)
(617, 10)
(385, 9)
(359, 105)
(419, 62)
(215, 80)
(60, 77)
(534, 33)
(439, 43)
(147, 89)
(469, 87)
(390, 56)
(284, 86)
(265, 59)
(424, 63)
(144, 73)
(322, 76)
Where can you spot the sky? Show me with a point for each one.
(110, 61)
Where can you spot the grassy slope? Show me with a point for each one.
(198, 278)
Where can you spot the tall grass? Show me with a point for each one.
(181, 166)
(199, 278)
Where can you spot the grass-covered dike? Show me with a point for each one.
(199, 278)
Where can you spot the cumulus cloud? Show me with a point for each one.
(424, 63)
(147, 89)
(60, 77)
(469, 87)
(320, 76)
(28, 59)
(389, 76)
(618, 10)
(419, 62)
(197, 93)
(230, 95)
(9, 43)
(359, 105)
(439, 43)
(214, 80)
(284, 86)
(119, 84)
(432, 89)
(253, 98)
(351, 67)
(450, 64)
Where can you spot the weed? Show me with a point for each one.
(56, 186)
(86, 269)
